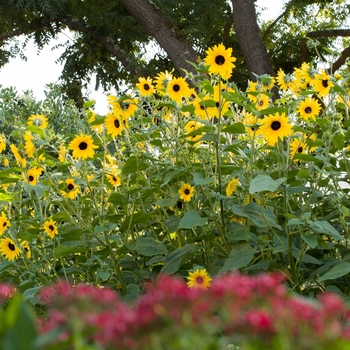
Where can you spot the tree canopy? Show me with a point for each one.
(113, 39)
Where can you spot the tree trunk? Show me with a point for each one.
(166, 33)
(249, 39)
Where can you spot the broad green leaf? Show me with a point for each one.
(104, 275)
(241, 233)
(241, 255)
(259, 216)
(191, 219)
(274, 110)
(166, 202)
(134, 165)
(173, 175)
(198, 179)
(174, 259)
(6, 197)
(35, 129)
(236, 128)
(339, 270)
(264, 183)
(136, 218)
(118, 199)
(172, 223)
(324, 227)
(304, 174)
(148, 246)
(65, 249)
(338, 141)
(88, 104)
(61, 216)
(311, 240)
(188, 108)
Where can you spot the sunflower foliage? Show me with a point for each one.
(177, 179)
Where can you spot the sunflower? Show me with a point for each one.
(251, 125)
(128, 108)
(38, 120)
(114, 179)
(252, 87)
(275, 127)
(2, 143)
(4, 223)
(145, 86)
(199, 279)
(322, 83)
(262, 102)
(186, 192)
(296, 146)
(29, 145)
(96, 127)
(5, 162)
(309, 109)
(9, 249)
(82, 147)
(177, 88)
(220, 61)
(283, 79)
(202, 111)
(62, 152)
(162, 80)
(231, 187)
(50, 228)
(71, 190)
(18, 156)
(25, 246)
(33, 174)
(114, 124)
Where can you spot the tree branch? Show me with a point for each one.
(320, 34)
(340, 61)
(268, 29)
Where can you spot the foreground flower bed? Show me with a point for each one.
(236, 311)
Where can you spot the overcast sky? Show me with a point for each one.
(41, 69)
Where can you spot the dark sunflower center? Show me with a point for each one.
(325, 83)
(199, 280)
(83, 146)
(300, 149)
(70, 187)
(114, 178)
(26, 249)
(187, 191)
(51, 228)
(217, 104)
(275, 125)
(31, 178)
(116, 123)
(12, 247)
(220, 60)
(202, 108)
(146, 87)
(261, 102)
(179, 204)
(308, 110)
(176, 87)
(125, 106)
(4, 224)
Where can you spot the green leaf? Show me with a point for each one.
(311, 240)
(174, 259)
(338, 141)
(166, 202)
(198, 179)
(88, 104)
(134, 165)
(274, 110)
(241, 233)
(68, 248)
(148, 246)
(61, 216)
(173, 175)
(5, 197)
(103, 275)
(172, 223)
(188, 108)
(118, 199)
(304, 174)
(136, 218)
(191, 219)
(339, 270)
(236, 128)
(259, 216)
(264, 183)
(241, 255)
(36, 130)
(324, 227)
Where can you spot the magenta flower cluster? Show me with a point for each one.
(258, 311)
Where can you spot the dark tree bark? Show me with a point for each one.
(249, 39)
(166, 33)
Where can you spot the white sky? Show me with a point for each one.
(41, 69)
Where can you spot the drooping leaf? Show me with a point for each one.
(264, 183)
(174, 259)
(337, 271)
(148, 246)
(191, 219)
(241, 255)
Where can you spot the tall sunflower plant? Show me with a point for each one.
(180, 179)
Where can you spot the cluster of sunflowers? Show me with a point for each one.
(170, 162)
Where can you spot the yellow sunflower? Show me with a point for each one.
(177, 88)
(71, 190)
(282, 79)
(322, 83)
(201, 110)
(114, 179)
(4, 223)
(251, 123)
(82, 147)
(275, 127)
(262, 102)
(38, 120)
(29, 145)
(231, 187)
(309, 109)
(252, 87)
(128, 108)
(2, 143)
(9, 249)
(5, 162)
(50, 228)
(220, 61)
(25, 246)
(97, 127)
(186, 192)
(18, 156)
(114, 124)
(297, 145)
(162, 79)
(199, 279)
(33, 174)
(62, 153)
(145, 86)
